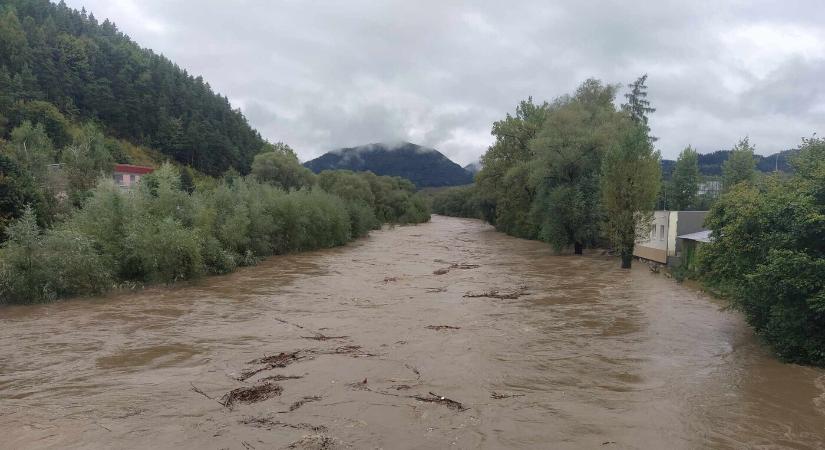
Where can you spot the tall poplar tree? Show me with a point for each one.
(740, 165)
(631, 176)
(684, 184)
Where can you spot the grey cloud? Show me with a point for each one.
(330, 74)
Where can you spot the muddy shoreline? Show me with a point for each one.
(429, 336)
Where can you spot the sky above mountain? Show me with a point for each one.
(330, 74)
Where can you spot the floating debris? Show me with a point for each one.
(303, 401)
(280, 360)
(281, 377)
(251, 394)
(288, 322)
(390, 279)
(441, 400)
(269, 423)
(440, 271)
(464, 266)
(359, 385)
(498, 396)
(495, 293)
(314, 442)
(353, 350)
(442, 327)
(323, 337)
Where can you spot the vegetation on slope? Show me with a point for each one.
(59, 65)
(425, 167)
(67, 85)
(162, 233)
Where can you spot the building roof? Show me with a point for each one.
(699, 236)
(130, 168)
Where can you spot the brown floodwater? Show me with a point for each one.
(571, 352)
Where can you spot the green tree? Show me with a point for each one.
(513, 135)
(569, 150)
(631, 177)
(282, 169)
(85, 161)
(18, 190)
(767, 255)
(187, 179)
(638, 105)
(740, 166)
(684, 183)
(32, 149)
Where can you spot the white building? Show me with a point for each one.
(667, 225)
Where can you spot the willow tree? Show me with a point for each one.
(280, 167)
(569, 151)
(631, 174)
(503, 193)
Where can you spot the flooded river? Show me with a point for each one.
(366, 347)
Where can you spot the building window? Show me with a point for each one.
(119, 178)
(661, 232)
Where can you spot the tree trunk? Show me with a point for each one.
(577, 248)
(627, 258)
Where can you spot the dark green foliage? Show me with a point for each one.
(740, 167)
(461, 201)
(545, 176)
(425, 167)
(17, 190)
(504, 196)
(638, 106)
(162, 233)
(281, 168)
(569, 151)
(56, 62)
(710, 164)
(630, 182)
(682, 188)
(38, 267)
(768, 255)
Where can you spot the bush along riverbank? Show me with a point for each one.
(161, 233)
(767, 255)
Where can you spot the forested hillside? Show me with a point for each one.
(711, 163)
(76, 97)
(59, 65)
(425, 167)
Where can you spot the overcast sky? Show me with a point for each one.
(321, 75)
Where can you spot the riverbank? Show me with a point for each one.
(568, 352)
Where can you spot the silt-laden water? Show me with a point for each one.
(562, 352)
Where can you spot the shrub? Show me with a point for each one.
(768, 256)
(36, 267)
(162, 233)
(161, 250)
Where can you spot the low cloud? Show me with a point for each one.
(325, 75)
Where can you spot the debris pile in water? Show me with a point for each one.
(251, 394)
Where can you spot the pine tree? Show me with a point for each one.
(638, 105)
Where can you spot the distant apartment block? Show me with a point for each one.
(127, 175)
(710, 188)
(667, 226)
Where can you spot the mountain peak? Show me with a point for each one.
(424, 166)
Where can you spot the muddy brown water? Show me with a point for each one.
(589, 356)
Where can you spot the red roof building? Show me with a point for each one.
(128, 175)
